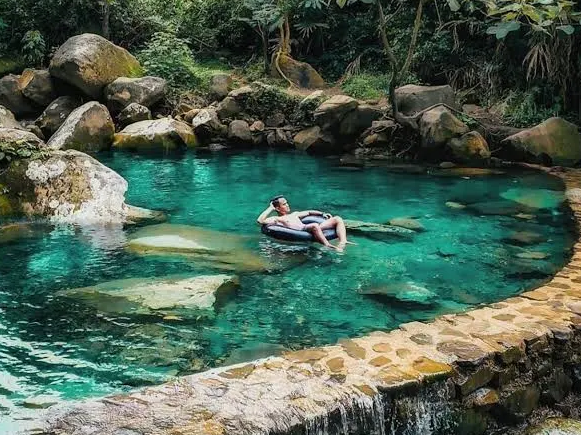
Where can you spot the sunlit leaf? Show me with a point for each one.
(341, 3)
(568, 29)
(454, 5)
(500, 30)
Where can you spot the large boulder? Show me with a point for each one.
(315, 141)
(553, 142)
(37, 85)
(160, 134)
(90, 62)
(470, 147)
(239, 132)
(88, 128)
(145, 91)
(220, 85)
(359, 119)
(183, 296)
(13, 99)
(438, 126)
(414, 98)
(133, 113)
(228, 108)
(20, 142)
(56, 113)
(207, 125)
(330, 114)
(300, 73)
(7, 119)
(65, 186)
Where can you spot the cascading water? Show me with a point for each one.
(425, 412)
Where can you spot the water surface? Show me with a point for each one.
(66, 349)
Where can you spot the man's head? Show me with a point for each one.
(280, 204)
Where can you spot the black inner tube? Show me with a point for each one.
(288, 234)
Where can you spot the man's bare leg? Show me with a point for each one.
(317, 232)
(337, 223)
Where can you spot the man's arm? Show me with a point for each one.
(263, 219)
(306, 213)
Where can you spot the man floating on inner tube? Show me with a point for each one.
(293, 221)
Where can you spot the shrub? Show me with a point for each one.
(33, 47)
(366, 86)
(170, 57)
(521, 108)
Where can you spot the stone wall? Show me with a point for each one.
(468, 373)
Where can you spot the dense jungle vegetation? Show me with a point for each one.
(522, 58)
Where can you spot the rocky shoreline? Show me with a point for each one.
(94, 97)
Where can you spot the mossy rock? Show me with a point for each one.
(90, 62)
(160, 134)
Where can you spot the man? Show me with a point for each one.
(292, 220)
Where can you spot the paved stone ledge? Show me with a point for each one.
(496, 362)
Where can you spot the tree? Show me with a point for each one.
(264, 19)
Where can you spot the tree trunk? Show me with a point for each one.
(105, 19)
(264, 36)
(399, 73)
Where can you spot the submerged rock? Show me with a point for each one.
(409, 223)
(535, 198)
(90, 62)
(500, 208)
(162, 134)
(65, 186)
(525, 238)
(402, 291)
(374, 230)
(156, 296)
(214, 248)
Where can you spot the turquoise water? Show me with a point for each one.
(65, 348)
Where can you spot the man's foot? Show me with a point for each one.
(331, 247)
(340, 247)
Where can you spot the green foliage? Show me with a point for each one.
(521, 108)
(33, 47)
(366, 86)
(170, 57)
(266, 100)
(539, 15)
(470, 122)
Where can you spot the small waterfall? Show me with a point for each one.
(425, 412)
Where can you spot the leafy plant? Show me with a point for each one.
(521, 109)
(366, 86)
(170, 57)
(33, 47)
